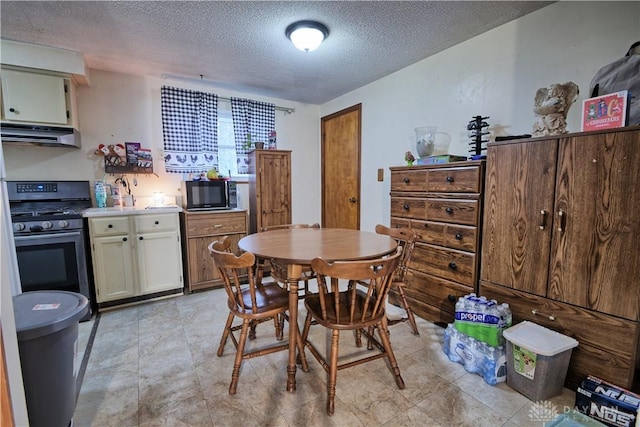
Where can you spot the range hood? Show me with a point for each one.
(46, 136)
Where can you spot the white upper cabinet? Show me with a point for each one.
(29, 97)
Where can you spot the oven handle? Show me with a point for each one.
(48, 236)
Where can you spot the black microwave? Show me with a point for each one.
(209, 195)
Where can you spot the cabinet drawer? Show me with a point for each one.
(453, 236)
(216, 225)
(109, 226)
(607, 344)
(455, 180)
(453, 210)
(435, 291)
(411, 180)
(449, 264)
(161, 222)
(409, 207)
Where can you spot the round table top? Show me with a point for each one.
(302, 245)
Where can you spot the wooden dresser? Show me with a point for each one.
(199, 229)
(443, 204)
(561, 226)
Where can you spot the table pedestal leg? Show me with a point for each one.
(293, 274)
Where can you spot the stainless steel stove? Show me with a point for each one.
(49, 234)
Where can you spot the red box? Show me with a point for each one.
(605, 112)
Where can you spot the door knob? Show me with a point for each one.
(353, 200)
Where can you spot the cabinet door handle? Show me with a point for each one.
(562, 220)
(449, 211)
(217, 226)
(353, 200)
(407, 180)
(453, 266)
(405, 207)
(452, 298)
(110, 226)
(458, 236)
(543, 219)
(157, 222)
(450, 178)
(124, 239)
(13, 110)
(535, 312)
(140, 238)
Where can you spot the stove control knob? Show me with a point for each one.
(18, 226)
(46, 225)
(63, 223)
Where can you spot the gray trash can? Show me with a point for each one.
(47, 330)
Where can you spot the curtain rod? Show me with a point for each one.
(287, 110)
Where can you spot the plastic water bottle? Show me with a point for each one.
(490, 366)
(507, 312)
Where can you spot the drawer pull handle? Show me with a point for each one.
(535, 312)
(405, 207)
(543, 219)
(449, 178)
(124, 239)
(140, 238)
(452, 298)
(407, 180)
(157, 222)
(453, 266)
(217, 226)
(562, 219)
(458, 236)
(110, 226)
(449, 211)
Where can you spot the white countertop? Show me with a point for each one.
(120, 211)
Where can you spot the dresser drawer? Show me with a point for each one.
(453, 210)
(607, 344)
(109, 226)
(409, 180)
(435, 291)
(453, 236)
(409, 207)
(216, 225)
(153, 223)
(449, 264)
(455, 180)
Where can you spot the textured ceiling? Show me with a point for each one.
(240, 45)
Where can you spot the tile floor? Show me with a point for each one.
(155, 364)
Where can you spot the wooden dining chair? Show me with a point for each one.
(252, 302)
(353, 308)
(406, 238)
(279, 271)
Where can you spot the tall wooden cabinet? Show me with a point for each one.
(561, 225)
(269, 188)
(443, 204)
(199, 229)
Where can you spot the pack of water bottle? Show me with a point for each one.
(482, 319)
(476, 356)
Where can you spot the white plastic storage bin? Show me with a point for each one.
(537, 360)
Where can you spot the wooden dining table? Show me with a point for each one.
(297, 247)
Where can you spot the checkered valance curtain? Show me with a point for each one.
(190, 130)
(251, 117)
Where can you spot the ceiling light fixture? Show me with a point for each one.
(307, 35)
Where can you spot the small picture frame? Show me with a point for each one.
(132, 149)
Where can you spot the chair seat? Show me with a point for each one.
(344, 319)
(269, 296)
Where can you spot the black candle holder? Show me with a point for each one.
(477, 134)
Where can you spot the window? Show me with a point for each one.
(227, 157)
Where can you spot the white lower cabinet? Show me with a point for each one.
(135, 256)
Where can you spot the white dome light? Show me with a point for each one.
(307, 35)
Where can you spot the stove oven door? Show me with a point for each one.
(53, 261)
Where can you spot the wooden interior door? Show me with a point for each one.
(341, 168)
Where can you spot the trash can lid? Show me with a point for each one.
(40, 313)
(538, 339)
